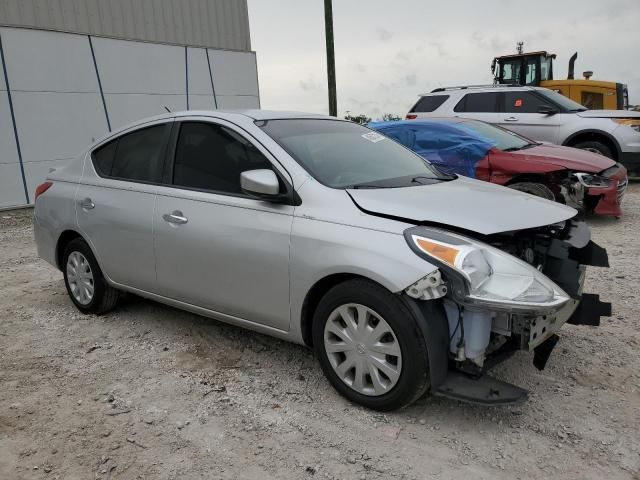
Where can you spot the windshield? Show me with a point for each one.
(347, 155)
(501, 139)
(565, 103)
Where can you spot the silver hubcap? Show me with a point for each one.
(362, 349)
(80, 278)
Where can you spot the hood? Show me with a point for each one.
(609, 114)
(567, 157)
(463, 203)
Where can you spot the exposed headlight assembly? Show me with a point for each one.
(482, 275)
(629, 122)
(593, 181)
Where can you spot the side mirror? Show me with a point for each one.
(547, 110)
(261, 183)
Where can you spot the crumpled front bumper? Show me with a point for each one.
(608, 201)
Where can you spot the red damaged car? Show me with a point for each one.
(579, 178)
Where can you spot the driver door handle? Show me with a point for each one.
(511, 119)
(87, 204)
(175, 217)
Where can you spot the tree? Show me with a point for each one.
(362, 119)
(390, 117)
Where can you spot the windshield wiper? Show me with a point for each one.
(364, 186)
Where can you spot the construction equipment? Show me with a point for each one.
(536, 69)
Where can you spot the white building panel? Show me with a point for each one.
(57, 125)
(201, 102)
(238, 101)
(138, 67)
(11, 188)
(199, 79)
(48, 61)
(8, 150)
(234, 73)
(124, 109)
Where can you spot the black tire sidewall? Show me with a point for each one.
(414, 378)
(99, 284)
(603, 149)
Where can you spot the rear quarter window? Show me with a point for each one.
(103, 158)
(429, 103)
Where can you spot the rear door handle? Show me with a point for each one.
(511, 119)
(175, 217)
(87, 204)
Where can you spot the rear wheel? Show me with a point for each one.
(369, 346)
(534, 188)
(595, 147)
(83, 278)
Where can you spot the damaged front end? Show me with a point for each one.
(512, 291)
(600, 193)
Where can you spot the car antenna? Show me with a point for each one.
(167, 108)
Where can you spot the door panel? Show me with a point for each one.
(520, 115)
(116, 214)
(231, 255)
(120, 229)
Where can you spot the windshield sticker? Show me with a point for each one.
(373, 137)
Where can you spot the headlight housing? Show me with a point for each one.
(633, 123)
(592, 180)
(483, 275)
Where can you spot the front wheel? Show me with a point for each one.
(86, 285)
(595, 147)
(370, 346)
(534, 188)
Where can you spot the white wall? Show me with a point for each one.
(58, 104)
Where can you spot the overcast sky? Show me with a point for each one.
(388, 52)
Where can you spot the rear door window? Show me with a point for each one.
(478, 102)
(140, 155)
(429, 103)
(137, 156)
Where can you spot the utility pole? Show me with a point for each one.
(331, 60)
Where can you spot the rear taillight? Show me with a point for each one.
(411, 116)
(43, 187)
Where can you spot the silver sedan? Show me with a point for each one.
(402, 278)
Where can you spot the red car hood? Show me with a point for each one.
(567, 157)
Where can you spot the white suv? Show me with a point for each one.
(540, 114)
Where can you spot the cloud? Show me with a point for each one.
(411, 80)
(309, 85)
(386, 57)
(359, 67)
(384, 34)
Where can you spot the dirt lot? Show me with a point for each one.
(152, 392)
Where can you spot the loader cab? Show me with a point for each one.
(523, 68)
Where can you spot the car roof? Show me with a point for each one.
(225, 114)
(479, 89)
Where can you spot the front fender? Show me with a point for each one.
(320, 249)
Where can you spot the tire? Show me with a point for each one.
(81, 272)
(595, 147)
(534, 188)
(411, 366)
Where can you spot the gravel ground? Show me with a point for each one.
(149, 391)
